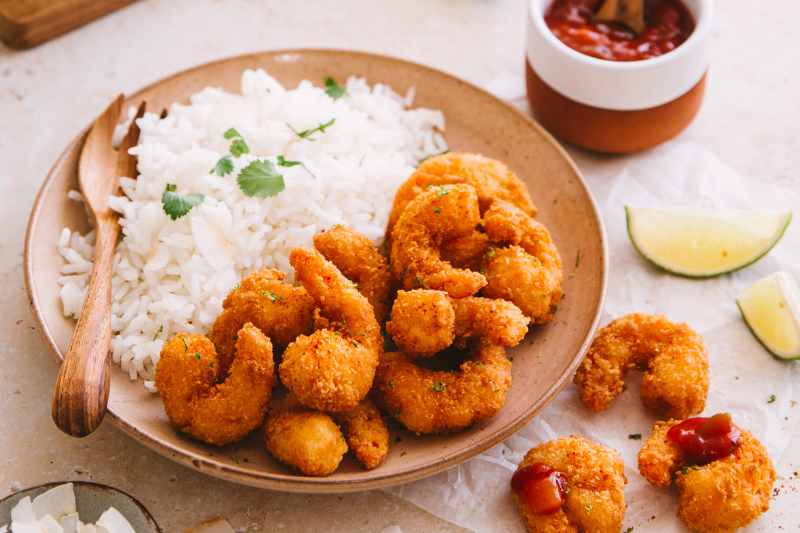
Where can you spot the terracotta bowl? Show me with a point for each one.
(477, 122)
(613, 106)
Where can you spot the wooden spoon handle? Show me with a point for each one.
(81, 394)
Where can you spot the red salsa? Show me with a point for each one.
(668, 23)
(704, 440)
(540, 486)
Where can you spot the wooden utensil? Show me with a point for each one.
(627, 12)
(81, 393)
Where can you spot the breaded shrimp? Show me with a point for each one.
(426, 401)
(281, 311)
(332, 369)
(593, 487)
(425, 322)
(442, 213)
(359, 261)
(528, 273)
(718, 497)
(675, 362)
(305, 439)
(196, 404)
(366, 432)
(465, 252)
(491, 179)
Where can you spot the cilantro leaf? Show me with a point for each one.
(223, 167)
(231, 133)
(177, 205)
(260, 179)
(284, 163)
(306, 133)
(239, 147)
(334, 91)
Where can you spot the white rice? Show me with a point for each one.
(172, 276)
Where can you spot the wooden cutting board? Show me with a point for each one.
(26, 23)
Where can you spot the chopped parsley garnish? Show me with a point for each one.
(495, 389)
(578, 259)
(185, 346)
(434, 155)
(177, 205)
(160, 329)
(398, 439)
(635, 436)
(391, 384)
(394, 415)
(685, 468)
(231, 133)
(333, 90)
(223, 167)
(404, 453)
(421, 283)
(439, 387)
(305, 134)
(437, 210)
(234, 459)
(403, 273)
(260, 179)
(771, 398)
(197, 355)
(491, 253)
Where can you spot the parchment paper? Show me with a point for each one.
(744, 375)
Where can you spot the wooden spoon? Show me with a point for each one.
(627, 12)
(81, 394)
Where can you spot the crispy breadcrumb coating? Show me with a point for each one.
(675, 362)
(719, 497)
(366, 432)
(594, 492)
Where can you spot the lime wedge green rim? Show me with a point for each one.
(703, 276)
(776, 356)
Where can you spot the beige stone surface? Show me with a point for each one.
(749, 120)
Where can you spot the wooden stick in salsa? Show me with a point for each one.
(668, 23)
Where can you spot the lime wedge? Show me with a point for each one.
(771, 308)
(700, 243)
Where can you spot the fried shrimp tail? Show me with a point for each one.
(425, 322)
(196, 404)
(592, 493)
(426, 401)
(305, 439)
(675, 362)
(332, 369)
(491, 179)
(281, 311)
(528, 271)
(359, 261)
(442, 213)
(718, 497)
(366, 432)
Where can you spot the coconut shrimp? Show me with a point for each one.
(196, 403)
(673, 357)
(278, 309)
(426, 401)
(442, 213)
(718, 497)
(366, 432)
(332, 369)
(305, 439)
(527, 273)
(491, 179)
(589, 492)
(359, 261)
(425, 322)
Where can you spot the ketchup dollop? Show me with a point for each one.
(704, 440)
(540, 486)
(668, 23)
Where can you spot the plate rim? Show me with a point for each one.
(293, 483)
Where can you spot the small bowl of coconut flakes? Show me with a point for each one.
(77, 507)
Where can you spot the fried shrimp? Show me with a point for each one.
(491, 179)
(465, 252)
(359, 261)
(425, 322)
(197, 404)
(442, 213)
(426, 401)
(718, 497)
(332, 369)
(281, 311)
(673, 357)
(570, 485)
(305, 439)
(366, 432)
(528, 273)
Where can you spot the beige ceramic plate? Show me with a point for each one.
(476, 122)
